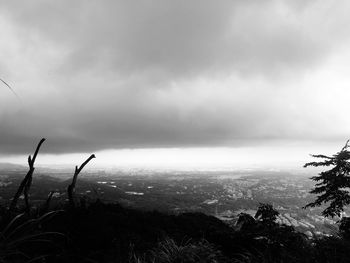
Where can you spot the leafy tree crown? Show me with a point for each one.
(332, 185)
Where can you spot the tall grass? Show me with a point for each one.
(168, 251)
(23, 239)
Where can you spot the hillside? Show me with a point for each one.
(111, 233)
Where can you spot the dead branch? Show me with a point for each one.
(71, 187)
(27, 181)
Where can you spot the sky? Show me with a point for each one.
(200, 82)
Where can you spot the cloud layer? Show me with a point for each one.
(139, 74)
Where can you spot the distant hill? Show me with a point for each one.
(12, 166)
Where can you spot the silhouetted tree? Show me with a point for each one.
(332, 185)
(266, 213)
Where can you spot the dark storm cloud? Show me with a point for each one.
(179, 38)
(114, 74)
(129, 126)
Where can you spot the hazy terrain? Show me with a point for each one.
(223, 194)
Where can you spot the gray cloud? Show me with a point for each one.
(115, 74)
(180, 38)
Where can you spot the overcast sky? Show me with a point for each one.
(98, 75)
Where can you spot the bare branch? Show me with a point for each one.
(71, 187)
(37, 151)
(26, 182)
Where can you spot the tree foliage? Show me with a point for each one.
(266, 213)
(332, 185)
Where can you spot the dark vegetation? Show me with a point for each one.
(92, 231)
(332, 185)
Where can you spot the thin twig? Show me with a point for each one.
(13, 91)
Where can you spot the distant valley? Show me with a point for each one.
(223, 194)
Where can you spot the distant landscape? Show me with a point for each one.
(223, 194)
(175, 216)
